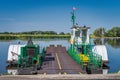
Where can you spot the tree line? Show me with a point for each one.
(37, 32)
(102, 32)
(99, 32)
(32, 34)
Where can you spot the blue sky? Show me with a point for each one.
(30, 15)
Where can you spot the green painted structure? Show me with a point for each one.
(81, 49)
(30, 56)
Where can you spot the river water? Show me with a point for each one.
(112, 45)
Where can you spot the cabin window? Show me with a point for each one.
(77, 33)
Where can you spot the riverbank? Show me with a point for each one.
(61, 77)
(49, 36)
(105, 37)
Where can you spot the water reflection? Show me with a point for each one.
(114, 42)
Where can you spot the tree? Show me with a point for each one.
(114, 32)
(62, 33)
(99, 32)
(67, 33)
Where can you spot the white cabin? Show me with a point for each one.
(80, 35)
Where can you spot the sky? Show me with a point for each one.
(54, 15)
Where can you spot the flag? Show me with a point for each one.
(74, 8)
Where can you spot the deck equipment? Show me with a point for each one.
(25, 58)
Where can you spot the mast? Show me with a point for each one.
(73, 16)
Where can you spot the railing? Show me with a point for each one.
(72, 53)
(94, 59)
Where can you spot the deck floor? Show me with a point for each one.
(57, 61)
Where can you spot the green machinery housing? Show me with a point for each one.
(30, 56)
